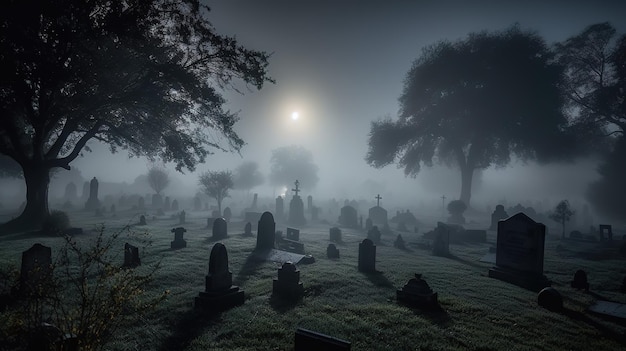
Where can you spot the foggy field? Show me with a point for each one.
(478, 312)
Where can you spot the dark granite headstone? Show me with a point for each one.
(367, 256)
(417, 293)
(248, 229)
(131, 256)
(220, 228)
(441, 242)
(220, 294)
(332, 251)
(378, 215)
(36, 270)
(288, 285)
(580, 280)
(608, 229)
(550, 299)
(266, 232)
(178, 242)
(93, 202)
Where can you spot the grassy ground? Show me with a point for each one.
(478, 312)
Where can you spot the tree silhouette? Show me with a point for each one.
(247, 176)
(289, 163)
(158, 179)
(607, 194)
(475, 103)
(141, 75)
(562, 213)
(217, 185)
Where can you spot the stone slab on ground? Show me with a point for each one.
(279, 256)
(613, 309)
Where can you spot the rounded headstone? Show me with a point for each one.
(550, 299)
(218, 261)
(367, 242)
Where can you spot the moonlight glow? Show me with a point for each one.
(295, 115)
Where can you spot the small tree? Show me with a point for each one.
(247, 176)
(216, 185)
(562, 213)
(158, 179)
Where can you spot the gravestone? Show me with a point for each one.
(416, 292)
(92, 202)
(142, 220)
(399, 243)
(131, 256)
(296, 208)
(248, 229)
(498, 214)
(308, 340)
(519, 252)
(167, 204)
(377, 214)
(374, 235)
(219, 294)
(70, 192)
(36, 270)
(367, 256)
(288, 285)
(181, 217)
(335, 234)
(550, 299)
(332, 251)
(348, 217)
(290, 245)
(174, 205)
(368, 224)
(228, 214)
(441, 242)
(220, 229)
(280, 207)
(254, 201)
(309, 203)
(580, 280)
(609, 232)
(293, 234)
(266, 232)
(178, 242)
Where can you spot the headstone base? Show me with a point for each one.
(534, 282)
(217, 301)
(418, 300)
(178, 244)
(287, 291)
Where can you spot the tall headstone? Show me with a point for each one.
(498, 214)
(296, 208)
(93, 203)
(367, 256)
(309, 203)
(167, 204)
(377, 214)
(348, 217)
(84, 196)
(182, 217)
(36, 269)
(280, 207)
(219, 294)
(441, 241)
(254, 201)
(220, 228)
(266, 232)
(178, 242)
(519, 252)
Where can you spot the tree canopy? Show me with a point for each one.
(247, 176)
(141, 75)
(291, 163)
(476, 103)
(216, 185)
(158, 179)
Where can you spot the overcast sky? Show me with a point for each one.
(341, 64)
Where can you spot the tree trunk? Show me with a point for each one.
(466, 184)
(37, 179)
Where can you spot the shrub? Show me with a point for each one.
(57, 221)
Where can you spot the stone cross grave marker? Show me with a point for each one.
(220, 294)
(296, 208)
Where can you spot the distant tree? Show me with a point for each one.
(475, 103)
(608, 194)
(289, 163)
(158, 178)
(562, 213)
(141, 75)
(247, 176)
(217, 185)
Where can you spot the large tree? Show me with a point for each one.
(247, 176)
(291, 163)
(140, 75)
(475, 103)
(216, 185)
(158, 179)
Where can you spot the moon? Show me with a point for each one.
(295, 115)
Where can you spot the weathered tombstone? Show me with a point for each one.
(197, 203)
(399, 243)
(280, 207)
(288, 285)
(219, 294)
(228, 214)
(550, 299)
(220, 228)
(142, 220)
(248, 229)
(498, 214)
(36, 270)
(93, 203)
(441, 242)
(368, 224)
(374, 235)
(293, 234)
(131, 256)
(308, 340)
(348, 217)
(377, 214)
(181, 217)
(266, 232)
(332, 251)
(520, 250)
(416, 292)
(174, 205)
(335, 234)
(609, 231)
(367, 256)
(141, 203)
(296, 208)
(580, 280)
(178, 242)
(309, 203)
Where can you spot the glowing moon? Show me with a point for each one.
(295, 115)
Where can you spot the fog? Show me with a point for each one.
(341, 65)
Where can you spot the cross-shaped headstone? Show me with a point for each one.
(378, 199)
(296, 190)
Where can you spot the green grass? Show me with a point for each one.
(478, 312)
